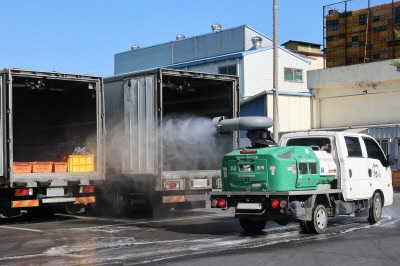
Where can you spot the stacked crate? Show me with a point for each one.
(365, 35)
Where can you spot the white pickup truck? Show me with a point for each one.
(363, 170)
(337, 173)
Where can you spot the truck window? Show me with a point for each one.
(374, 151)
(322, 143)
(303, 168)
(313, 168)
(353, 147)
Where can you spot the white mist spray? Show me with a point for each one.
(192, 143)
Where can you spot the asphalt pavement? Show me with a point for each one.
(196, 237)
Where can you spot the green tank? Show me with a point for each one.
(272, 169)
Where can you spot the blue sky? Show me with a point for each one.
(82, 36)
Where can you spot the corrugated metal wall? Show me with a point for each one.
(200, 47)
(140, 126)
(294, 112)
(212, 67)
(185, 50)
(392, 134)
(141, 59)
(232, 40)
(257, 107)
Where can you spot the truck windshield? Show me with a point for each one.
(320, 143)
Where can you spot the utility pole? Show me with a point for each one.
(275, 72)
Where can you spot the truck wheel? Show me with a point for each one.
(375, 212)
(304, 227)
(252, 226)
(118, 202)
(319, 221)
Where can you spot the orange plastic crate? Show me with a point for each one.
(59, 167)
(22, 167)
(42, 167)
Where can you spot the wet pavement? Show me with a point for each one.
(192, 237)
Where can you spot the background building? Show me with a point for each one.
(294, 111)
(359, 98)
(240, 51)
(307, 50)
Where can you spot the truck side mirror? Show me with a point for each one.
(390, 160)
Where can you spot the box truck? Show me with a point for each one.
(51, 144)
(161, 147)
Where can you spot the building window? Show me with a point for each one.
(293, 75)
(228, 70)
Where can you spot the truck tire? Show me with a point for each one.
(375, 212)
(252, 226)
(319, 221)
(304, 227)
(118, 202)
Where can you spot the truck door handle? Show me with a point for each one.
(370, 172)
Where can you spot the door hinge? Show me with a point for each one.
(9, 140)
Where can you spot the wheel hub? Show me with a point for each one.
(321, 219)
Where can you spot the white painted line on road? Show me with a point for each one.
(95, 218)
(19, 228)
(144, 222)
(126, 222)
(188, 218)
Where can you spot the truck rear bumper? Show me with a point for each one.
(57, 200)
(185, 198)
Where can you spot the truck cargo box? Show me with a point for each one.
(159, 130)
(43, 116)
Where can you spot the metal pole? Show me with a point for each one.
(275, 71)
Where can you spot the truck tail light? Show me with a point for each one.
(283, 204)
(218, 203)
(89, 189)
(172, 185)
(221, 203)
(214, 203)
(274, 203)
(247, 152)
(23, 192)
